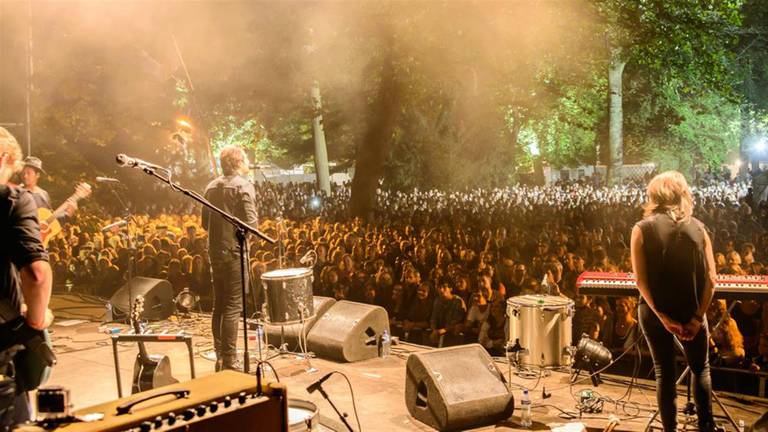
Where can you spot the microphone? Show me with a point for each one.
(118, 224)
(125, 160)
(107, 180)
(317, 384)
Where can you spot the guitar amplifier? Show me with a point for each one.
(223, 401)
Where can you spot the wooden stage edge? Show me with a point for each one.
(86, 367)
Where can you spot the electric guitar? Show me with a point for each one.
(149, 370)
(49, 224)
(30, 349)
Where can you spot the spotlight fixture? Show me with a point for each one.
(186, 300)
(591, 356)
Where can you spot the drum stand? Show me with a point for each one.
(303, 354)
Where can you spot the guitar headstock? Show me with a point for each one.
(82, 190)
(136, 310)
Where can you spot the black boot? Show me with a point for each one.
(231, 362)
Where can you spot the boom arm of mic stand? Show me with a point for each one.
(233, 220)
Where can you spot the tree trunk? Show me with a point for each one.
(322, 174)
(616, 120)
(373, 149)
(745, 132)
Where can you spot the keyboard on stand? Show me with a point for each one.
(729, 287)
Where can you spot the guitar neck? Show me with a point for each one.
(63, 208)
(142, 348)
(143, 351)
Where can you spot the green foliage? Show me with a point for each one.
(247, 133)
(567, 134)
(479, 83)
(678, 129)
(689, 40)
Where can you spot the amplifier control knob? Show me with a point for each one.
(200, 410)
(241, 398)
(189, 414)
(213, 407)
(171, 419)
(158, 423)
(227, 402)
(145, 426)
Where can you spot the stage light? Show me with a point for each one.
(591, 356)
(185, 301)
(315, 202)
(184, 124)
(761, 145)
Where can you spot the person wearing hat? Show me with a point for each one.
(30, 176)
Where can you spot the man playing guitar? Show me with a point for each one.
(50, 221)
(30, 177)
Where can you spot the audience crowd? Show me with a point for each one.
(442, 264)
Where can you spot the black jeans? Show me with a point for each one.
(663, 347)
(227, 307)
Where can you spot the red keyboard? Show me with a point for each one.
(731, 287)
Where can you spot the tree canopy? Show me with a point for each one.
(424, 94)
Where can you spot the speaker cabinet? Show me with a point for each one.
(456, 388)
(158, 297)
(289, 334)
(348, 332)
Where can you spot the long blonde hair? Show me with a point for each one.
(9, 145)
(669, 193)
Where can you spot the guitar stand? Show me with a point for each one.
(149, 338)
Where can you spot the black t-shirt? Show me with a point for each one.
(676, 267)
(20, 245)
(420, 310)
(236, 196)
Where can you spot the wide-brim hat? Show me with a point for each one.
(35, 163)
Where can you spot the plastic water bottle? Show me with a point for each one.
(260, 336)
(386, 342)
(742, 426)
(525, 411)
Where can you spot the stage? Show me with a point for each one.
(86, 367)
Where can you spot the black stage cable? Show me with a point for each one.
(588, 377)
(261, 363)
(352, 392)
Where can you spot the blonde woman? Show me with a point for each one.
(675, 269)
(25, 274)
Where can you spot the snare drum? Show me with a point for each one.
(302, 416)
(288, 294)
(541, 324)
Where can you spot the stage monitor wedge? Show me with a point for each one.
(158, 298)
(348, 332)
(456, 388)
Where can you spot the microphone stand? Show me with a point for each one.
(339, 413)
(131, 243)
(242, 230)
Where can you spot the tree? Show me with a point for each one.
(688, 40)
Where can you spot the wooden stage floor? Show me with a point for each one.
(86, 367)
